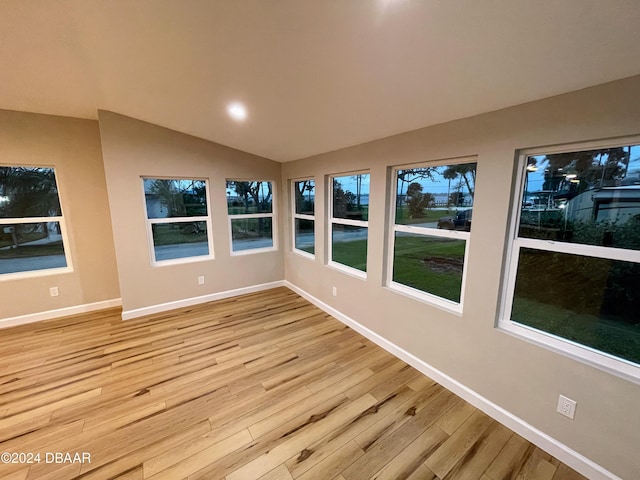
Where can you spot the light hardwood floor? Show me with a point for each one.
(263, 386)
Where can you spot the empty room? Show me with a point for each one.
(320, 240)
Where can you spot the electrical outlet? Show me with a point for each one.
(335, 292)
(201, 280)
(53, 291)
(566, 407)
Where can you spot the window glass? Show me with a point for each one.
(26, 247)
(304, 235)
(349, 246)
(250, 209)
(436, 197)
(305, 196)
(429, 264)
(173, 198)
(251, 233)
(31, 222)
(575, 266)
(177, 218)
(244, 198)
(351, 197)
(179, 240)
(433, 215)
(589, 197)
(28, 192)
(589, 300)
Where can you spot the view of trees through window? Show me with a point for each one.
(30, 220)
(433, 212)
(304, 192)
(578, 243)
(178, 217)
(349, 220)
(250, 209)
(590, 197)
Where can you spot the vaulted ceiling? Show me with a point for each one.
(315, 75)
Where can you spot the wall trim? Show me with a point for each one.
(570, 457)
(59, 312)
(187, 302)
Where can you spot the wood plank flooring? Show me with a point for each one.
(263, 386)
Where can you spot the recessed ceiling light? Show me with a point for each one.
(237, 111)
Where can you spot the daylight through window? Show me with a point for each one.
(304, 197)
(251, 216)
(433, 207)
(32, 229)
(349, 221)
(178, 222)
(575, 260)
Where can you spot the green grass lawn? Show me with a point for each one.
(429, 264)
(352, 254)
(176, 234)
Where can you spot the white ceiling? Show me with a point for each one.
(316, 75)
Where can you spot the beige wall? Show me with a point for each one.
(523, 378)
(72, 146)
(133, 149)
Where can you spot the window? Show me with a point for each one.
(178, 222)
(251, 217)
(432, 212)
(348, 222)
(304, 197)
(575, 257)
(32, 228)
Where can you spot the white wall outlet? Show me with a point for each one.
(335, 292)
(566, 407)
(53, 291)
(201, 280)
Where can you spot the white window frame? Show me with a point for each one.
(344, 221)
(583, 353)
(273, 216)
(63, 231)
(299, 216)
(435, 300)
(149, 222)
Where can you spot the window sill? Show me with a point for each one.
(4, 277)
(180, 261)
(303, 254)
(426, 298)
(251, 251)
(603, 361)
(352, 272)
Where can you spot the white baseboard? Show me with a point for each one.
(547, 443)
(60, 312)
(187, 302)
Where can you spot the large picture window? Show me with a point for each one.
(178, 222)
(32, 227)
(575, 257)
(432, 213)
(251, 216)
(349, 221)
(304, 197)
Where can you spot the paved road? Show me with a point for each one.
(169, 252)
(14, 265)
(28, 264)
